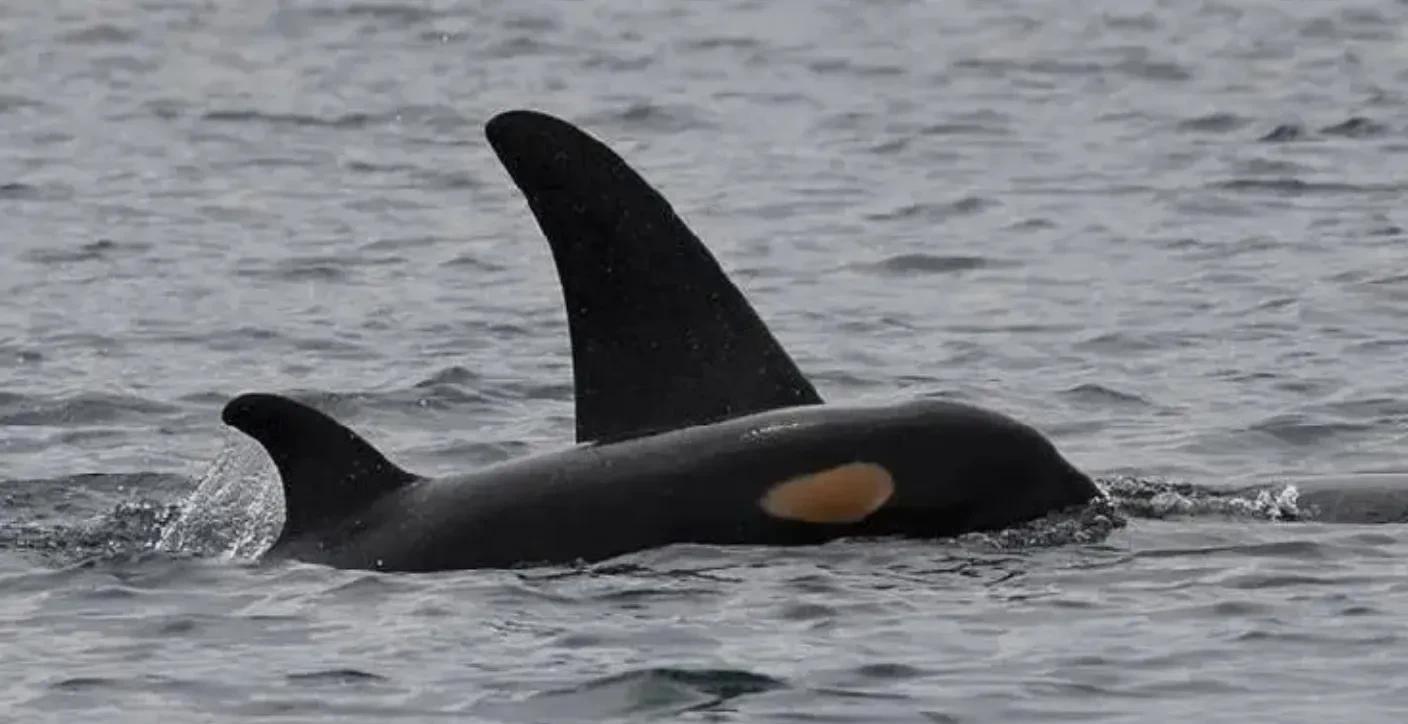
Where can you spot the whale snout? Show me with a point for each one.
(1080, 486)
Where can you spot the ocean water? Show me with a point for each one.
(1167, 234)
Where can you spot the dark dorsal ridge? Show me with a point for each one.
(329, 473)
(661, 339)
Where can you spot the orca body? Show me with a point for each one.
(945, 468)
(693, 424)
(1354, 497)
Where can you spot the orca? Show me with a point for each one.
(1362, 498)
(693, 425)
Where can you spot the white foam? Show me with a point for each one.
(236, 510)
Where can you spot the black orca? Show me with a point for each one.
(693, 424)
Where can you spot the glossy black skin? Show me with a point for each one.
(690, 409)
(661, 337)
(956, 469)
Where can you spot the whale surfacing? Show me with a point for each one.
(693, 423)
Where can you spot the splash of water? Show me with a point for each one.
(1151, 498)
(236, 510)
(1079, 525)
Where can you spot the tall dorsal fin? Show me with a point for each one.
(329, 473)
(661, 339)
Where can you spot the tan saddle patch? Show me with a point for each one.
(843, 494)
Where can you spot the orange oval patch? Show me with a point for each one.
(843, 494)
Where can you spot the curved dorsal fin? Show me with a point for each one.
(661, 339)
(329, 472)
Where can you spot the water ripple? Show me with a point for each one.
(1059, 211)
(349, 121)
(922, 264)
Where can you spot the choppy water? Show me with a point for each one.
(1166, 233)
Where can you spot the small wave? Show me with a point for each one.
(1142, 21)
(101, 34)
(306, 269)
(892, 671)
(526, 44)
(404, 14)
(654, 691)
(936, 212)
(1370, 407)
(1271, 167)
(1356, 127)
(447, 180)
(14, 103)
(959, 128)
(1099, 395)
(223, 340)
(343, 677)
(18, 191)
(99, 250)
(1353, 127)
(660, 118)
(369, 167)
(893, 145)
(1284, 132)
(83, 409)
(1295, 186)
(1213, 123)
(1352, 25)
(1033, 224)
(1000, 67)
(614, 60)
(1297, 430)
(348, 121)
(455, 375)
(1126, 342)
(734, 43)
(916, 264)
(845, 66)
(474, 261)
(1155, 70)
(141, 682)
(22, 355)
(399, 244)
(429, 395)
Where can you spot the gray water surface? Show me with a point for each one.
(1167, 234)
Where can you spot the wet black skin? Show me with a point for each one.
(688, 411)
(956, 469)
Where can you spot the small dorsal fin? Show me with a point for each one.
(661, 339)
(329, 472)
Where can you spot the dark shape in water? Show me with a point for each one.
(1284, 132)
(703, 429)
